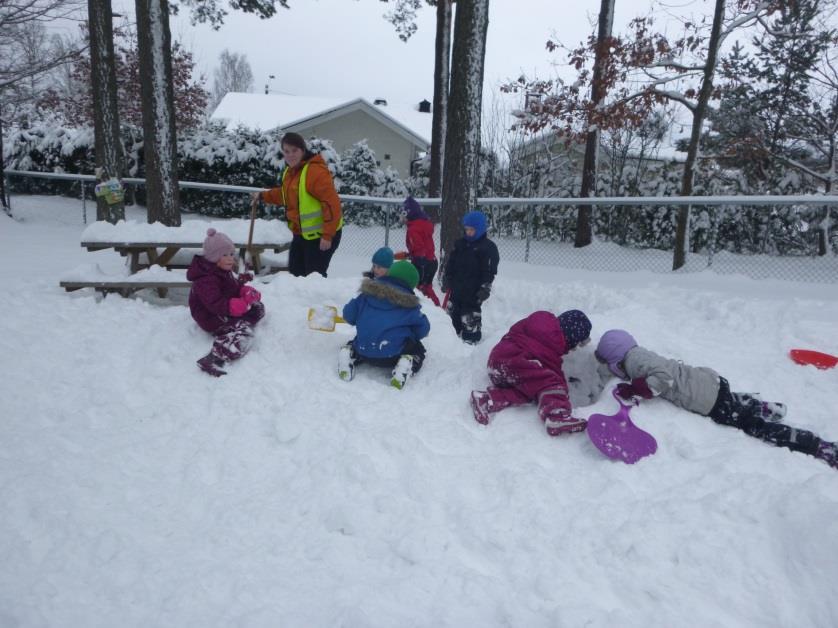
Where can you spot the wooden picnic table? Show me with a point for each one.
(164, 253)
(153, 250)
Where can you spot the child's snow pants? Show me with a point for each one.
(233, 339)
(467, 321)
(519, 381)
(744, 412)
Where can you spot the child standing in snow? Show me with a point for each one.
(703, 391)
(382, 259)
(222, 304)
(390, 326)
(469, 272)
(419, 240)
(526, 366)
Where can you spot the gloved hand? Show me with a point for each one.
(400, 255)
(638, 389)
(245, 277)
(250, 295)
(483, 292)
(238, 307)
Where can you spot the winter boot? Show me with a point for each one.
(212, 364)
(557, 425)
(346, 363)
(481, 403)
(828, 452)
(402, 371)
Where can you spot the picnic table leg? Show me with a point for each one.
(166, 256)
(151, 252)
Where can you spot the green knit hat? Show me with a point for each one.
(405, 272)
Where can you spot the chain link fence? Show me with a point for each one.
(793, 238)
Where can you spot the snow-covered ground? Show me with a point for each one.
(138, 491)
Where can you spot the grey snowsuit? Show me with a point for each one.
(703, 391)
(694, 388)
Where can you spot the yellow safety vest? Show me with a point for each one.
(311, 210)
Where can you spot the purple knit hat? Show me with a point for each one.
(413, 210)
(576, 327)
(217, 245)
(612, 349)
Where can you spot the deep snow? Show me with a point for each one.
(137, 491)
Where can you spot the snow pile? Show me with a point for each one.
(138, 491)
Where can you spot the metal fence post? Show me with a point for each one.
(386, 224)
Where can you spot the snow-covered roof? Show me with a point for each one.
(270, 111)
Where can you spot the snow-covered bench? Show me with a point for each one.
(91, 276)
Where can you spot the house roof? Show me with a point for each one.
(270, 111)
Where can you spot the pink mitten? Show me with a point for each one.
(250, 295)
(238, 307)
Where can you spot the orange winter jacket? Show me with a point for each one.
(319, 184)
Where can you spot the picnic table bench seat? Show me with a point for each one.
(91, 276)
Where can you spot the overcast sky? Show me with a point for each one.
(345, 48)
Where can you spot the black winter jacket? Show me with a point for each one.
(470, 267)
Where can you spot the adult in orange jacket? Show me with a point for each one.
(317, 228)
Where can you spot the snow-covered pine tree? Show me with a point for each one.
(361, 176)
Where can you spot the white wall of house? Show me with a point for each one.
(391, 149)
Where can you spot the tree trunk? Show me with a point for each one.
(462, 134)
(589, 165)
(826, 223)
(442, 70)
(4, 200)
(108, 144)
(679, 257)
(157, 94)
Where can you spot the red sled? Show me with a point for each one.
(814, 358)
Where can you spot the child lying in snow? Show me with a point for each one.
(221, 304)
(526, 366)
(703, 391)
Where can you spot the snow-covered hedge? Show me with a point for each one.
(213, 154)
(210, 154)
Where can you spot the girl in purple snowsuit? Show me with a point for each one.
(526, 366)
(222, 304)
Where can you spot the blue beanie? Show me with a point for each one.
(575, 326)
(478, 221)
(383, 257)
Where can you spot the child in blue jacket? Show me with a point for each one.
(390, 325)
